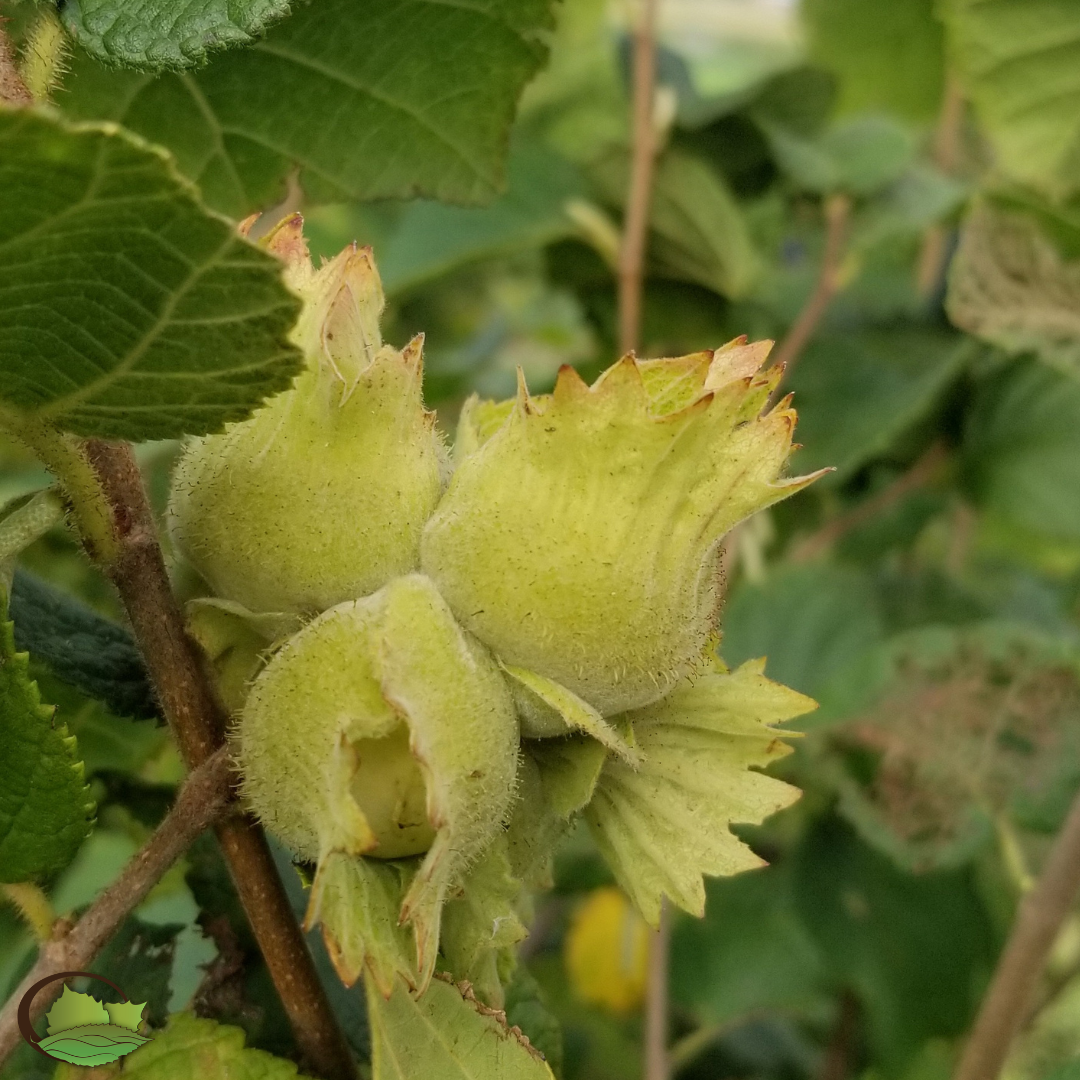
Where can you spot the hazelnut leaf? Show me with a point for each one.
(545, 709)
(128, 310)
(447, 1033)
(162, 35)
(663, 826)
(355, 96)
(45, 806)
(483, 923)
(356, 901)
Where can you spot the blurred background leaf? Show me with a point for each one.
(926, 593)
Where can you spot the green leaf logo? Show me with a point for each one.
(83, 1031)
(92, 1044)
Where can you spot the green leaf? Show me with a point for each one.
(356, 902)
(922, 196)
(815, 625)
(162, 35)
(1009, 285)
(663, 825)
(126, 309)
(81, 647)
(556, 777)
(969, 726)
(194, 1049)
(107, 743)
(1022, 449)
(356, 94)
(1069, 1071)
(699, 231)
(526, 1009)
(750, 951)
(861, 155)
(45, 808)
(858, 391)
(482, 924)
(448, 1035)
(425, 240)
(915, 950)
(569, 769)
(545, 708)
(75, 1010)
(887, 54)
(1018, 61)
(98, 1044)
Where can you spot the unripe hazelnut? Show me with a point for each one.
(322, 494)
(580, 535)
(383, 730)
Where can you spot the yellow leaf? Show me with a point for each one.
(607, 951)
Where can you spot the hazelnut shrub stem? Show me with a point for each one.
(1035, 928)
(837, 215)
(203, 798)
(631, 289)
(639, 198)
(131, 558)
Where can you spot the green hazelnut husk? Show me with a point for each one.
(580, 537)
(382, 730)
(322, 494)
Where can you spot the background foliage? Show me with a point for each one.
(926, 593)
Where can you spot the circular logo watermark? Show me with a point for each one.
(81, 1029)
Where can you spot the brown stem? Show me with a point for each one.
(837, 214)
(137, 569)
(921, 473)
(1038, 920)
(946, 154)
(203, 798)
(657, 1059)
(837, 1061)
(635, 229)
(631, 285)
(13, 90)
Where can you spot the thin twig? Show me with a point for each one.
(946, 155)
(636, 226)
(136, 567)
(920, 474)
(631, 287)
(204, 797)
(1038, 921)
(837, 1060)
(657, 1059)
(13, 90)
(837, 215)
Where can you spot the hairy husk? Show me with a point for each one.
(373, 701)
(600, 511)
(321, 496)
